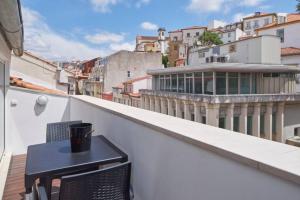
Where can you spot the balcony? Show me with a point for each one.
(172, 158)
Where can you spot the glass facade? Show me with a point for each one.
(189, 83)
(233, 83)
(236, 124)
(174, 82)
(245, 83)
(198, 82)
(168, 82)
(249, 125)
(208, 83)
(2, 99)
(162, 83)
(220, 83)
(181, 83)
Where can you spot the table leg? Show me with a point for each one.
(47, 183)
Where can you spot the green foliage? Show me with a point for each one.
(209, 39)
(165, 60)
(298, 6)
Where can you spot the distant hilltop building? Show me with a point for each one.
(153, 43)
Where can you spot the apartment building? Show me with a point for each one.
(230, 35)
(153, 43)
(258, 20)
(288, 32)
(260, 49)
(257, 99)
(180, 41)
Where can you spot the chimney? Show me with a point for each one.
(257, 13)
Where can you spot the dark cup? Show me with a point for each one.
(80, 137)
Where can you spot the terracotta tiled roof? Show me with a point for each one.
(18, 82)
(137, 79)
(291, 19)
(147, 38)
(39, 58)
(290, 51)
(259, 15)
(194, 27)
(136, 95)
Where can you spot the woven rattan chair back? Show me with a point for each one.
(59, 131)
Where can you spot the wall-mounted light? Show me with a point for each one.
(42, 100)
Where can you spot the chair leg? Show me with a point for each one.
(47, 183)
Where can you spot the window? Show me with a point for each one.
(156, 83)
(254, 84)
(280, 33)
(201, 54)
(174, 82)
(188, 35)
(203, 120)
(220, 83)
(181, 83)
(232, 48)
(236, 124)
(162, 83)
(222, 122)
(175, 47)
(189, 83)
(208, 83)
(162, 33)
(256, 24)
(274, 123)
(249, 125)
(2, 100)
(248, 25)
(262, 124)
(229, 34)
(168, 82)
(267, 21)
(233, 83)
(245, 83)
(198, 82)
(193, 117)
(197, 34)
(128, 74)
(175, 38)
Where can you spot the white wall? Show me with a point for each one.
(26, 122)
(291, 119)
(167, 168)
(142, 84)
(291, 34)
(291, 60)
(261, 23)
(193, 38)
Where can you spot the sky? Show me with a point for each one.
(65, 30)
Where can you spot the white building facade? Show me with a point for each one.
(256, 21)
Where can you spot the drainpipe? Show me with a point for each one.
(11, 25)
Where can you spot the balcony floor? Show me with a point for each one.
(14, 187)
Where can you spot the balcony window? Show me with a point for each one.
(174, 82)
(181, 83)
(220, 83)
(197, 34)
(249, 125)
(254, 84)
(248, 25)
(267, 21)
(188, 35)
(168, 82)
(233, 83)
(198, 82)
(256, 24)
(222, 122)
(162, 83)
(156, 83)
(203, 120)
(208, 83)
(236, 124)
(189, 83)
(262, 124)
(245, 83)
(280, 33)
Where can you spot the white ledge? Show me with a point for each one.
(272, 157)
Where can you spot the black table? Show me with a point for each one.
(47, 160)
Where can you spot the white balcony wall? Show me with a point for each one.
(26, 121)
(175, 159)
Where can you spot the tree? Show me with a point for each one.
(165, 60)
(298, 6)
(209, 39)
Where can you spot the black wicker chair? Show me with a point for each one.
(106, 184)
(59, 131)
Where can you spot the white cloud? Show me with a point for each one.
(205, 5)
(42, 40)
(105, 37)
(140, 3)
(103, 6)
(149, 26)
(122, 46)
(252, 2)
(239, 16)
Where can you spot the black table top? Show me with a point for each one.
(57, 156)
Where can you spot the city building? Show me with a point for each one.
(288, 32)
(258, 20)
(257, 99)
(230, 35)
(120, 67)
(37, 70)
(260, 49)
(128, 92)
(180, 42)
(153, 43)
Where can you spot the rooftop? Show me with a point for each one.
(290, 51)
(228, 67)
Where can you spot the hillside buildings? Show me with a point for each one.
(153, 43)
(247, 92)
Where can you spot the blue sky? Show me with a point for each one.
(83, 29)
